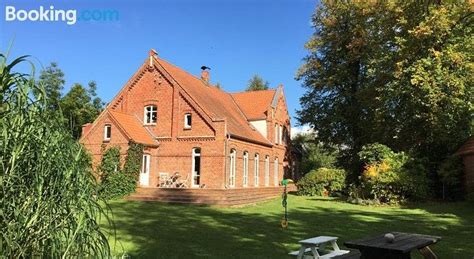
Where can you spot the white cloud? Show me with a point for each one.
(303, 130)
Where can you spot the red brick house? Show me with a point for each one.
(215, 139)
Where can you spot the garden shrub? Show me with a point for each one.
(323, 181)
(390, 177)
(48, 194)
(451, 175)
(117, 182)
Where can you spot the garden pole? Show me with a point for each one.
(284, 202)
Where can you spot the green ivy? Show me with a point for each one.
(133, 160)
(110, 162)
(117, 182)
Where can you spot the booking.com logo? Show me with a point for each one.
(70, 17)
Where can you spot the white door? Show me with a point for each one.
(145, 172)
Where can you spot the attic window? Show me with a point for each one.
(187, 121)
(107, 132)
(150, 115)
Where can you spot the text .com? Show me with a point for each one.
(50, 14)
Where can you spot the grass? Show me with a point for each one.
(157, 230)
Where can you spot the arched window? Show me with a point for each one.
(256, 169)
(246, 169)
(232, 157)
(275, 172)
(267, 170)
(196, 167)
(150, 115)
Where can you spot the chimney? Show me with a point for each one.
(205, 76)
(151, 54)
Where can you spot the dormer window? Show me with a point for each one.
(187, 121)
(150, 115)
(107, 132)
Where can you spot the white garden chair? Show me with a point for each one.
(163, 180)
(182, 183)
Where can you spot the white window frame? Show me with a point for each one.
(232, 166)
(267, 170)
(151, 111)
(245, 180)
(275, 131)
(280, 135)
(256, 169)
(193, 172)
(186, 125)
(106, 127)
(275, 171)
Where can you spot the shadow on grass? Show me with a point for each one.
(157, 230)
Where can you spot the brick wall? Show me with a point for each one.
(94, 141)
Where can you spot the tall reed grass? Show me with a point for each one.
(49, 202)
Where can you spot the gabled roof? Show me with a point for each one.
(132, 128)
(217, 104)
(254, 104)
(467, 147)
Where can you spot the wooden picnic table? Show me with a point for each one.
(403, 244)
(316, 245)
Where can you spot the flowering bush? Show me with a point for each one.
(390, 177)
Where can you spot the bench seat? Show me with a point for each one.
(295, 253)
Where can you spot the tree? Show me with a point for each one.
(52, 79)
(397, 73)
(257, 83)
(80, 106)
(431, 90)
(314, 154)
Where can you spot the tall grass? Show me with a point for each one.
(49, 205)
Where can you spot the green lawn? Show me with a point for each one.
(157, 230)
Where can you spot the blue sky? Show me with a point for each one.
(235, 38)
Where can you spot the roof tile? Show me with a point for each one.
(254, 104)
(133, 128)
(215, 102)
